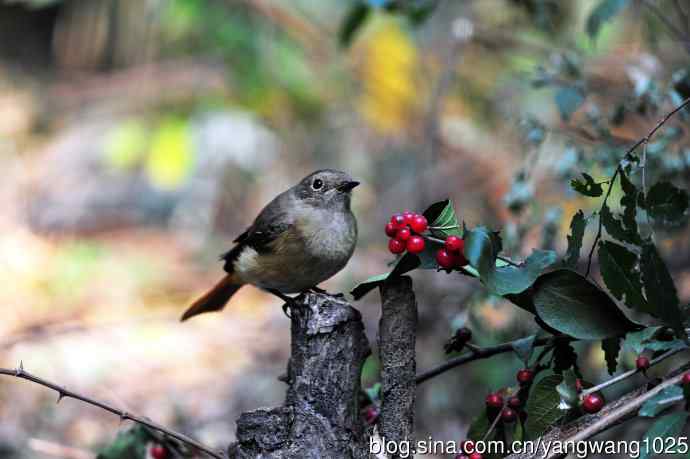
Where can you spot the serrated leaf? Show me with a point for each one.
(611, 348)
(661, 401)
(568, 100)
(605, 11)
(666, 203)
(635, 341)
(356, 17)
(629, 204)
(571, 304)
(660, 289)
(564, 356)
(614, 227)
(665, 427)
(588, 188)
(618, 269)
(524, 347)
(542, 406)
(444, 223)
(577, 232)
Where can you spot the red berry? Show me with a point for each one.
(403, 234)
(467, 446)
(592, 403)
(445, 259)
(396, 246)
(408, 216)
(494, 400)
(525, 376)
(686, 379)
(398, 221)
(460, 260)
(158, 452)
(391, 231)
(371, 414)
(476, 455)
(642, 362)
(515, 402)
(508, 415)
(454, 244)
(419, 224)
(415, 244)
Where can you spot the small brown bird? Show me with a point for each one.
(301, 238)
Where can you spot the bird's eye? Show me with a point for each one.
(318, 184)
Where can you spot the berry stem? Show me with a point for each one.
(493, 425)
(630, 373)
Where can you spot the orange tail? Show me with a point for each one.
(215, 299)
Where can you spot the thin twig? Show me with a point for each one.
(477, 353)
(65, 393)
(630, 373)
(618, 170)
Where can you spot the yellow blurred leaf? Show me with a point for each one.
(126, 144)
(170, 157)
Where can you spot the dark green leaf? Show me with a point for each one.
(629, 203)
(615, 228)
(571, 304)
(564, 357)
(620, 274)
(588, 188)
(666, 203)
(356, 16)
(664, 399)
(129, 444)
(611, 348)
(510, 279)
(568, 100)
(524, 347)
(478, 427)
(660, 289)
(605, 11)
(542, 406)
(445, 223)
(635, 341)
(577, 232)
(665, 427)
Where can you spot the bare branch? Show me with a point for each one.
(19, 372)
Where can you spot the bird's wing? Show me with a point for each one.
(271, 222)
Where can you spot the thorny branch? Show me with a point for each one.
(643, 141)
(19, 372)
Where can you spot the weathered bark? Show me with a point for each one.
(320, 417)
(397, 330)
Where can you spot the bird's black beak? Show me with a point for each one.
(346, 187)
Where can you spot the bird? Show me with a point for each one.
(304, 236)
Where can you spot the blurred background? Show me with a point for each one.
(139, 137)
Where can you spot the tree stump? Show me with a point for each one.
(320, 417)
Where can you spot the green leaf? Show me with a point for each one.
(635, 341)
(481, 249)
(444, 223)
(668, 426)
(356, 16)
(567, 389)
(542, 406)
(588, 188)
(524, 347)
(620, 274)
(479, 426)
(569, 303)
(368, 285)
(611, 348)
(666, 203)
(614, 227)
(629, 204)
(568, 100)
(661, 401)
(564, 356)
(605, 11)
(577, 232)
(129, 444)
(660, 289)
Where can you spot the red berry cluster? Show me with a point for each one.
(451, 255)
(404, 230)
